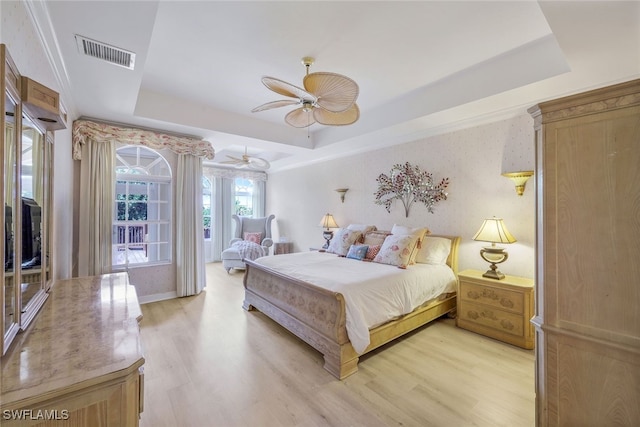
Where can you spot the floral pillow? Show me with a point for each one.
(396, 250)
(418, 232)
(357, 252)
(253, 237)
(342, 241)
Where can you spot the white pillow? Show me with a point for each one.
(342, 241)
(401, 229)
(435, 250)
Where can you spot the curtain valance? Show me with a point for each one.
(234, 173)
(85, 130)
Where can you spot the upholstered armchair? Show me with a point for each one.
(257, 230)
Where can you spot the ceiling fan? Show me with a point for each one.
(247, 162)
(327, 98)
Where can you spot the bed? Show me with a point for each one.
(314, 308)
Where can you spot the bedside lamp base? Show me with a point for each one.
(328, 235)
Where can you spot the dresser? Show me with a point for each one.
(500, 309)
(80, 362)
(588, 258)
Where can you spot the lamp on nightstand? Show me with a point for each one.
(493, 230)
(328, 222)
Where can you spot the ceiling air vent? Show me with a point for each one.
(111, 54)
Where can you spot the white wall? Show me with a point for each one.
(19, 35)
(471, 158)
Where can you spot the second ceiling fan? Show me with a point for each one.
(247, 162)
(327, 98)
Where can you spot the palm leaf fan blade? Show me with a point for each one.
(287, 89)
(274, 104)
(300, 118)
(334, 92)
(233, 159)
(325, 117)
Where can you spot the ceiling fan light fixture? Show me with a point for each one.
(307, 106)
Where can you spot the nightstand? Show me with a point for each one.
(500, 309)
(280, 248)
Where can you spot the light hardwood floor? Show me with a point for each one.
(211, 363)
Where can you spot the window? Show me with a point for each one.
(142, 217)
(244, 197)
(206, 207)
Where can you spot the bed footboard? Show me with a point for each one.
(313, 314)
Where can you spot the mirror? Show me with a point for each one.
(9, 188)
(32, 189)
(10, 114)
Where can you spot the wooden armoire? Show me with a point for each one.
(588, 258)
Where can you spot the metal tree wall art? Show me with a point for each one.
(409, 184)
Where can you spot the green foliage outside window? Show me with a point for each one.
(206, 217)
(242, 210)
(137, 207)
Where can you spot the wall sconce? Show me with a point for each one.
(493, 230)
(519, 179)
(327, 222)
(342, 192)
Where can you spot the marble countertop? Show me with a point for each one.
(86, 330)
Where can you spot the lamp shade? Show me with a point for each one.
(493, 230)
(327, 222)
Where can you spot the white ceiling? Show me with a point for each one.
(422, 66)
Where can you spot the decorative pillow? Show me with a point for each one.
(375, 237)
(362, 228)
(357, 251)
(372, 252)
(253, 237)
(418, 232)
(396, 250)
(435, 250)
(342, 240)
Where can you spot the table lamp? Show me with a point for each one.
(328, 222)
(493, 230)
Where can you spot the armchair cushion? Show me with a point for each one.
(255, 237)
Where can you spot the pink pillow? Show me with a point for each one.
(253, 237)
(372, 252)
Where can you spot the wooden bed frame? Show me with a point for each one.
(317, 316)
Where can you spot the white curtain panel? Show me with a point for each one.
(97, 196)
(259, 198)
(224, 207)
(190, 270)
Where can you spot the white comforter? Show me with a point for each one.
(374, 293)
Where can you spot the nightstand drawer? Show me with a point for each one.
(495, 297)
(480, 314)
